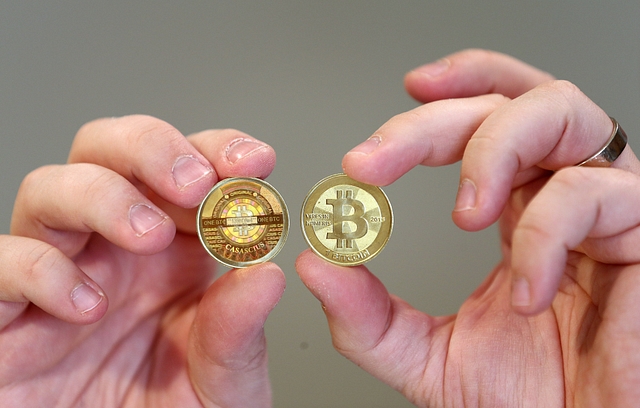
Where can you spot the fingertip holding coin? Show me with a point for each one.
(244, 221)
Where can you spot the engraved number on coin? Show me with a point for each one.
(347, 209)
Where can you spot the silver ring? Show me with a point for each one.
(611, 150)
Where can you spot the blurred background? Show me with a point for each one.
(313, 79)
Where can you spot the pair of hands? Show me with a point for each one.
(554, 323)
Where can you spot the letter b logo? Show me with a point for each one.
(346, 210)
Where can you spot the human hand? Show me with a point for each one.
(118, 223)
(555, 323)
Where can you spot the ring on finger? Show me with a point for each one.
(610, 151)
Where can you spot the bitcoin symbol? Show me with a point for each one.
(243, 222)
(342, 207)
(346, 222)
(241, 212)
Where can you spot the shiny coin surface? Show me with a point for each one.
(243, 222)
(346, 222)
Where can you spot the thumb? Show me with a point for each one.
(379, 332)
(227, 346)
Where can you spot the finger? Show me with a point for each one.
(551, 127)
(473, 72)
(32, 271)
(227, 348)
(433, 135)
(180, 170)
(233, 154)
(134, 299)
(576, 206)
(62, 205)
(380, 333)
(148, 150)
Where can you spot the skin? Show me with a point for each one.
(114, 230)
(555, 323)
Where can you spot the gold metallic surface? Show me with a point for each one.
(346, 222)
(243, 222)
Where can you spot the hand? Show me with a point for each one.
(555, 323)
(106, 294)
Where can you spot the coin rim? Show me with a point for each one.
(285, 227)
(363, 186)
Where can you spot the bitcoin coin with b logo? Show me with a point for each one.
(346, 222)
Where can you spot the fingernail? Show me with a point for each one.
(85, 298)
(520, 292)
(144, 218)
(368, 146)
(435, 68)
(466, 199)
(240, 148)
(188, 170)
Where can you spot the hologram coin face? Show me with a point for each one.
(243, 222)
(346, 222)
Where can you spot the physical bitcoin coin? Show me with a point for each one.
(243, 222)
(346, 222)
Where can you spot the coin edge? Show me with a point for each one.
(285, 231)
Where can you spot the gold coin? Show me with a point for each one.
(243, 222)
(346, 222)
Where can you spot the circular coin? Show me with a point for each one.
(243, 222)
(346, 222)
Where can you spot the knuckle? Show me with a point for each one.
(560, 91)
(133, 131)
(247, 363)
(408, 120)
(32, 184)
(87, 133)
(245, 360)
(486, 141)
(562, 86)
(405, 120)
(35, 177)
(87, 129)
(39, 262)
(413, 116)
(528, 227)
(145, 130)
(100, 183)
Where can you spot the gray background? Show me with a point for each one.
(313, 79)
